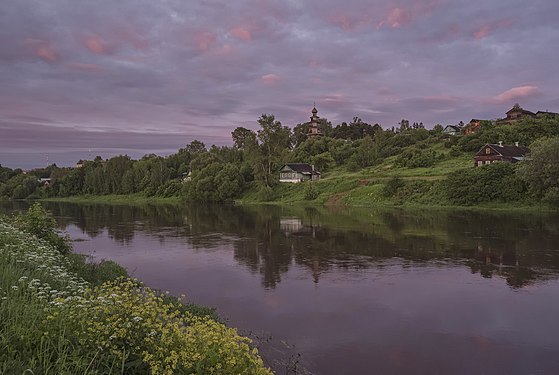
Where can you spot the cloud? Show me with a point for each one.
(515, 93)
(42, 49)
(241, 33)
(396, 18)
(97, 45)
(83, 67)
(270, 79)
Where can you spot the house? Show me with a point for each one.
(80, 163)
(298, 172)
(516, 113)
(491, 153)
(472, 127)
(546, 114)
(44, 181)
(186, 176)
(452, 130)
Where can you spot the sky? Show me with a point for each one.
(84, 78)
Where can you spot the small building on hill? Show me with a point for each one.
(472, 127)
(452, 130)
(546, 114)
(491, 153)
(516, 113)
(298, 172)
(314, 130)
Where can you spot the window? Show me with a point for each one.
(487, 150)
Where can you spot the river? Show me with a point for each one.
(349, 291)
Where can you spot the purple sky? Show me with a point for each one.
(142, 76)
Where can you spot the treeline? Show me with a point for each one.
(224, 173)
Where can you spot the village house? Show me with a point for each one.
(452, 130)
(472, 126)
(298, 172)
(516, 113)
(491, 153)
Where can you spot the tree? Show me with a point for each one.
(267, 150)
(240, 136)
(541, 169)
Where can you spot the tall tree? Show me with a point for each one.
(268, 148)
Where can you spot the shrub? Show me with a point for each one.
(392, 186)
(311, 192)
(39, 223)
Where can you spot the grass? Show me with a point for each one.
(115, 199)
(62, 315)
(365, 188)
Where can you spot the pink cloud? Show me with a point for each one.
(97, 45)
(270, 79)
(515, 93)
(481, 33)
(204, 40)
(42, 49)
(242, 33)
(82, 67)
(484, 30)
(396, 18)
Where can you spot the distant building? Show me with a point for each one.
(186, 176)
(298, 172)
(491, 153)
(80, 163)
(472, 127)
(44, 181)
(546, 114)
(516, 113)
(452, 130)
(314, 131)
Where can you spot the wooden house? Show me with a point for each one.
(298, 172)
(516, 113)
(491, 153)
(452, 130)
(546, 114)
(472, 127)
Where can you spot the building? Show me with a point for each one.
(452, 130)
(314, 131)
(472, 127)
(491, 153)
(516, 113)
(546, 114)
(298, 172)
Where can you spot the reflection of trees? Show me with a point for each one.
(269, 239)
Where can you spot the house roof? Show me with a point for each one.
(520, 109)
(453, 127)
(301, 168)
(540, 113)
(512, 151)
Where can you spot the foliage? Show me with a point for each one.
(38, 222)
(311, 192)
(392, 186)
(415, 158)
(541, 170)
(496, 182)
(54, 321)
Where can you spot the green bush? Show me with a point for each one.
(392, 186)
(39, 223)
(311, 192)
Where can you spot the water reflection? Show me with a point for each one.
(520, 248)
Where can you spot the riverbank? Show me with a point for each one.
(115, 199)
(60, 314)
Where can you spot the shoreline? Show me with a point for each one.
(140, 200)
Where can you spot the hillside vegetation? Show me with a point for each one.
(361, 164)
(61, 315)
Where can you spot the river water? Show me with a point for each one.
(349, 291)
